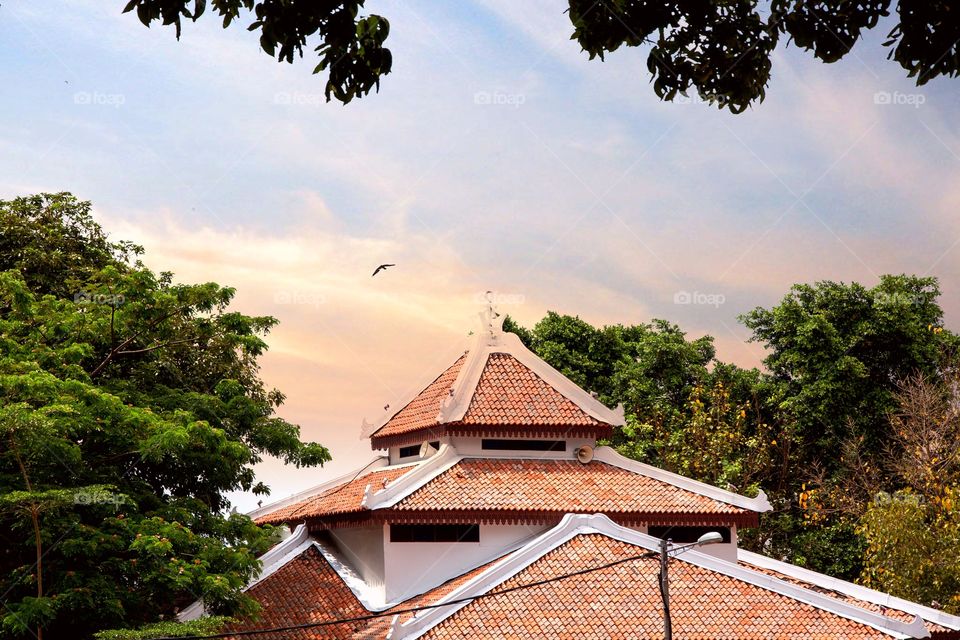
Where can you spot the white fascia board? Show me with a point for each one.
(849, 589)
(496, 341)
(760, 504)
(577, 524)
(377, 463)
(399, 488)
(272, 560)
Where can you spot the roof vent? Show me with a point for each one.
(584, 453)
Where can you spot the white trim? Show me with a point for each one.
(272, 560)
(609, 455)
(399, 488)
(377, 463)
(849, 589)
(496, 341)
(573, 525)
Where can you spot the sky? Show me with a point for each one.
(495, 156)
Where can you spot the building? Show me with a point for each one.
(494, 514)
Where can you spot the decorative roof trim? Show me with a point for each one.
(377, 463)
(575, 525)
(494, 340)
(760, 504)
(850, 589)
(399, 488)
(270, 562)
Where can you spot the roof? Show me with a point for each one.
(498, 387)
(449, 487)
(710, 598)
(938, 622)
(491, 485)
(342, 499)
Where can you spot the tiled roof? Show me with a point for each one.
(558, 486)
(307, 589)
(890, 612)
(343, 499)
(527, 490)
(508, 395)
(624, 602)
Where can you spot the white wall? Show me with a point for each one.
(362, 547)
(414, 567)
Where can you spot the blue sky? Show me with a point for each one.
(495, 156)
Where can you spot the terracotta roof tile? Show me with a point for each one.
(508, 394)
(306, 589)
(624, 602)
(896, 614)
(560, 486)
(342, 499)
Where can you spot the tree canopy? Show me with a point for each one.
(721, 49)
(824, 429)
(131, 405)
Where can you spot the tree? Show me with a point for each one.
(722, 49)
(836, 354)
(130, 408)
(913, 529)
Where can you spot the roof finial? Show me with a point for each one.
(491, 319)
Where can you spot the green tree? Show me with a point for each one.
(722, 49)
(130, 408)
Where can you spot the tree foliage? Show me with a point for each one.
(813, 429)
(131, 405)
(722, 49)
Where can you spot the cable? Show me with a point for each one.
(396, 612)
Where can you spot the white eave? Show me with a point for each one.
(574, 525)
(849, 589)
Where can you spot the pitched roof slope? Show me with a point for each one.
(623, 602)
(346, 498)
(557, 487)
(508, 394)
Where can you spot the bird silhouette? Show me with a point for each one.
(381, 268)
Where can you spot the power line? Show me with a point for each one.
(426, 607)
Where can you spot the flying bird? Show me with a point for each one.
(381, 268)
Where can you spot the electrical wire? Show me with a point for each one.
(426, 607)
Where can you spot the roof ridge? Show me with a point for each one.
(851, 589)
